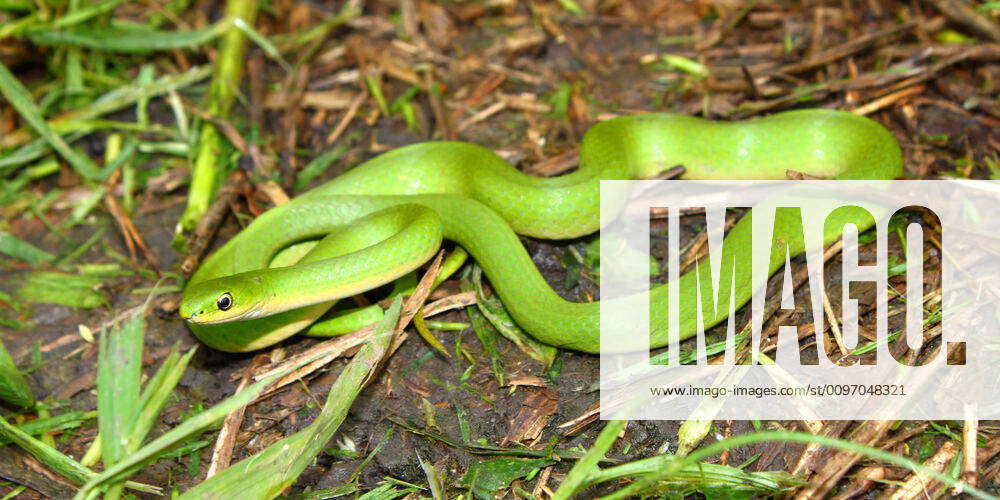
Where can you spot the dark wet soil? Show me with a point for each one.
(598, 54)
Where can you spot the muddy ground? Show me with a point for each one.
(608, 61)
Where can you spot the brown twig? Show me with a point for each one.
(212, 220)
(129, 232)
(484, 89)
(441, 117)
(852, 47)
(888, 100)
(580, 422)
(962, 13)
(490, 66)
(349, 115)
(222, 453)
(902, 437)
(482, 115)
(834, 323)
(868, 433)
(920, 485)
(970, 431)
(555, 165)
(321, 354)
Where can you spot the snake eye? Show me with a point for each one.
(225, 302)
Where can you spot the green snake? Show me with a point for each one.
(388, 216)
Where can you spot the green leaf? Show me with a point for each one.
(13, 388)
(128, 40)
(338, 491)
(80, 15)
(156, 394)
(71, 290)
(686, 65)
(68, 420)
(387, 492)
(16, 5)
(30, 152)
(588, 464)
(490, 476)
(19, 249)
(119, 369)
(56, 460)
(319, 165)
(571, 6)
(493, 309)
(278, 466)
(180, 434)
(21, 100)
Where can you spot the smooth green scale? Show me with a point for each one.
(480, 202)
(361, 249)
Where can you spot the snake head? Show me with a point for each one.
(232, 298)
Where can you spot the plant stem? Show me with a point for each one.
(225, 81)
(588, 464)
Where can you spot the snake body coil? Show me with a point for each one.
(387, 216)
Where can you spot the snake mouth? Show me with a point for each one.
(194, 318)
(200, 320)
(190, 317)
(203, 320)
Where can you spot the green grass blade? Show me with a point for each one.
(700, 476)
(73, 290)
(156, 394)
(82, 14)
(57, 461)
(119, 369)
(180, 434)
(49, 456)
(228, 72)
(20, 249)
(493, 309)
(434, 479)
(68, 420)
(128, 95)
(319, 165)
(793, 437)
(21, 100)
(13, 388)
(18, 26)
(29, 153)
(154, 397)
(146, 74)
(112, 101)
(488, 336)
(175, 437)
(16, 5)
(587, 465)
(324, 494)
(297, 40)
(388, 492)
(269, 48)
(280, 464)
(127, 40)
